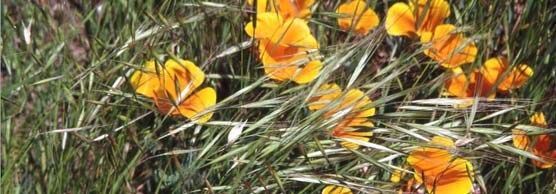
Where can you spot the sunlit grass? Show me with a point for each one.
(71, 121)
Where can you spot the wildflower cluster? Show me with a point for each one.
(288, 51)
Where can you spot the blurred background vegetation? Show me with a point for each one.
(71, 123)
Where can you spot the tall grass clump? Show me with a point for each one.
(278, 96)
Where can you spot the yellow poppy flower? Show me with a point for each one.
(356, 11)
(351, 133)
(538, 119)
(409, 20)
(325, 95)
(173, 85)
(295, 8)
(542, 144)
(285, 32)
(355, 101)
(286, 8)
(445, 46)
(520, 140)
(463, 87)
(288, 62)
(495, 67)
(439, 170)
(284, 47)
(333, 189)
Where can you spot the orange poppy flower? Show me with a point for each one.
(295, 8)
(355, 102)
(493, 69)
(416, 18)
(285, 48)
(173, 85)
(520, 140)
(542, 144)
(446, 46)
(286, 8)
(481, 81)
(463, 87)
(544, 150)
(288, 62)
(351, 133)
(333, 189)
(439, 170)
(357, 12)
(325, 95)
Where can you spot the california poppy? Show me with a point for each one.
(285, 48)
(463, 86)
(448, 47)
(333, 189)
(439, 170)
(417, 17)
(355, 102)
(286, 8)
(493, 69)
(174, 86)
(351, 133)
(542, 144)
(358, 17)
(481, 81)
(295, 8)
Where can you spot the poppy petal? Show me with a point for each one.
(180, 75)
(325, 94)
(308, 73)
(520, 140)
(438, 169)
(282, 62)
(456, 179)
(357, 11)
(267, 25)
(294, 32)
(517, 77)
(186, 70)
(357, 100)
(197, 103)
(458, 84)
(537, 119)
(493, 68)
(435, 13)
(351, 133)
(144, 82)
(400, 21)
(543, 149)
(333, 189)
(357, 122)
(444, 46)
(295, 8)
